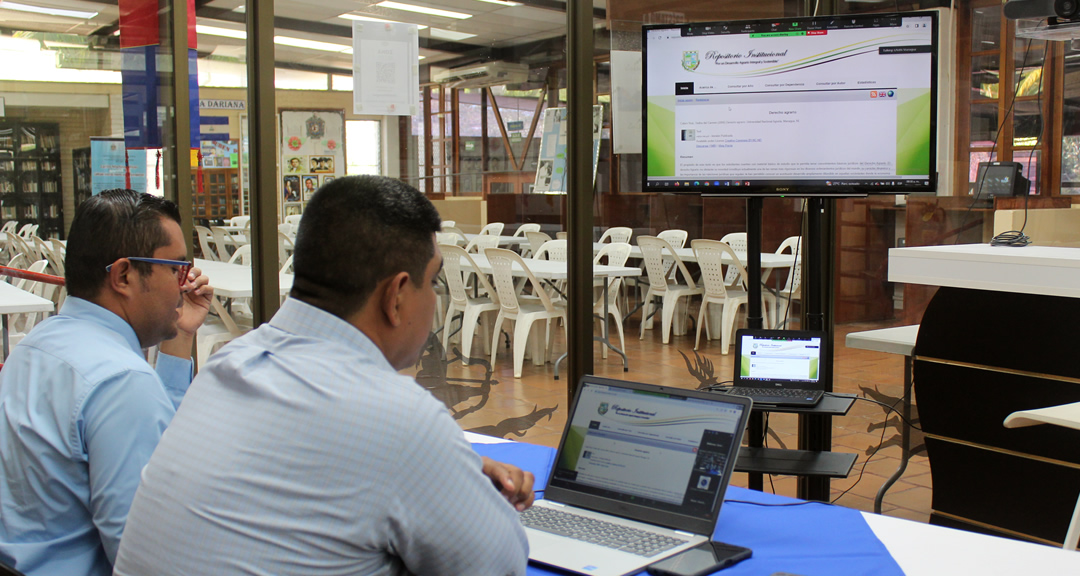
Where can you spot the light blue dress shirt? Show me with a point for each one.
(300, 451)
(80, 413)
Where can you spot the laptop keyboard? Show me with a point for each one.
(781, 393)
(609, 534)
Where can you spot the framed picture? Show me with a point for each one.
(290, 188)
(293, 208)
(321, 164)
(311, 184)
(294, 164)
(327, 179)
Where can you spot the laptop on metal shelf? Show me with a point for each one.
(780, 367)
(640, 475)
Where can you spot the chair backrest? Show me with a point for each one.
(45, 249)
(617, 234)
(455, 230)
(737, 242)
(676, 238)
(710, 256)
(294, 219)
(205, 237)
(494, 229)
(19, 261)
(286, 268)
(536, 240)
(455, 260)
(28, 229)
(285, 247)
(794, 280)
(616, 254)
(221, 242)
(242, 256)
(502, 265)
(285, 228)
(482, 242)
(553, 250)
(8, 226)
(561, 235)
(653, 251)
(448, 238)
(23, 323)
(240, 221)
(530, 227)
(23, 246)
(449, 223)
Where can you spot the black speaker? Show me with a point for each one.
(1001, 179)
(1015, 9)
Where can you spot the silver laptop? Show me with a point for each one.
(640, 475)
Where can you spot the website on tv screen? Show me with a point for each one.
(801, 103)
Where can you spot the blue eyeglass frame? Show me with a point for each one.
(183, 264)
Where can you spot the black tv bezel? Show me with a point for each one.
(789, 188)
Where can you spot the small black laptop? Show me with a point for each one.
(780, 367)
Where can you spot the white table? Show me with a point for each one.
(553, 270)
(898, 340)
(1044, 270)
(16, 301)
(233, 281)
(511, 241)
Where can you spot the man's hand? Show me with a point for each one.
(197, 294)
(512, 482)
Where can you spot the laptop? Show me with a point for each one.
(780, 367)
(640, 475)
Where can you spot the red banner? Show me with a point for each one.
(139, 24)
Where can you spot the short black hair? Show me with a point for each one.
(357, 231)
(114, 224)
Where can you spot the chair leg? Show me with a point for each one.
(521, 339)
(731, 310)
(446, 328)
(469, 320)
(618, 326)
(1074, 529)
(668, 313)
(700, 321)
(495, 337)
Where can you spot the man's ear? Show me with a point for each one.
(122, 277)
(393, 297)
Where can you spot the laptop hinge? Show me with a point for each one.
(683, 533)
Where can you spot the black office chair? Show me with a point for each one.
(6, 571)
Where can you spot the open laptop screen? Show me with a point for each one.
(667, 451)
(773, 356)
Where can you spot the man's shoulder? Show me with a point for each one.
(87, 347)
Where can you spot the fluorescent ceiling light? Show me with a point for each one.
(423, 10)
(502, 2)
(215, 31)
(370, 19)
(312, 44)
(449, 34)
(421, 57)
(49, 11)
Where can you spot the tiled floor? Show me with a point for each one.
(533, 408)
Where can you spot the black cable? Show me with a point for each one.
(765, 505)
(798, 246)
(868, 458)
(1017, 238)
(1005, 118)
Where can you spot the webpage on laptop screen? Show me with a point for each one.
(654, 450)
(838, 103)
(793, 360)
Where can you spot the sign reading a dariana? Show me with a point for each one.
(206, 103)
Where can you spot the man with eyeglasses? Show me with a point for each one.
(81, 410)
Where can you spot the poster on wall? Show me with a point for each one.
(312, 150)
(551, 167)
(386, 69)
(113, 165)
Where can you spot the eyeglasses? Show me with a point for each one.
(181, 268)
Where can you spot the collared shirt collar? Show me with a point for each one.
(87, 310)
(300, 318)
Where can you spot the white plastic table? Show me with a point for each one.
(16, 301)
(898, 340)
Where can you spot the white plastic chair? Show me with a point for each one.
(553, 251)
(618, 234)
(206, 239)
(28, 230)
(242, 256)
(482, 242)
(19, 325)
(239, 221)
(9, 227)
(536, 240)
(710, 255)
(669, 290)
(293, 219)
(561, 236)
(45, 249)
(531, 227)
(493, 229)
(222, 241)
(218, 331)
(792, 290)
(286, 228)
(448, 238)
(615, 254)
(285, 248)
(449, 223)
(738, 243)
(524, 314)
(458, 231)
(473, 309)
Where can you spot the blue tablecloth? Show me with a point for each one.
(808, 539)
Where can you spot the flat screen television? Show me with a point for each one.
(822, 106)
